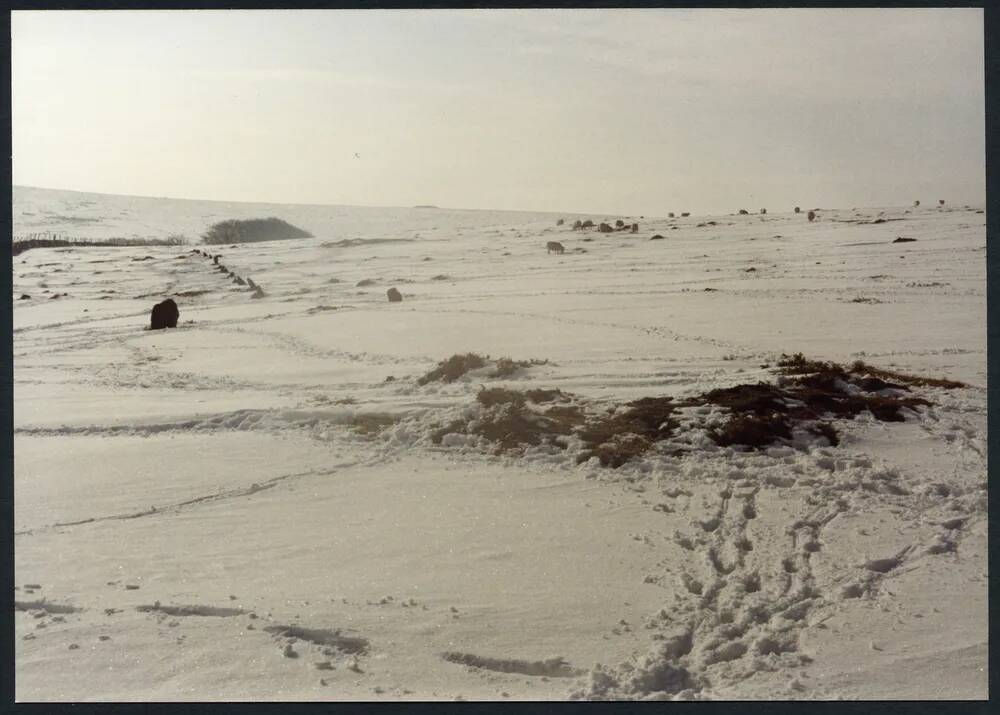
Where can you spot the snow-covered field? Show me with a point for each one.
(247, 508)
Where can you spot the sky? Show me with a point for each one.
(597, 111)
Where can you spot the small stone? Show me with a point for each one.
(73, 646)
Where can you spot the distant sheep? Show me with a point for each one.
(587, 224)
(744, 212)
(560, 222)
(763, 211)
(164, 315)
(554, 246)
(685, 214)
(811, 215)
(940, 202)
(670, 215)
(916, 203)
(605, 228)
(798, 210)
(619, 224)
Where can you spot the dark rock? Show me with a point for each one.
(798, 210)
(904, 239)
(635, 228)
(394, 296)
(670, 215)
(605, 228)
(164, 315)
(577, 225)
(744, 212)
(763, 211)
(685, 214)
(811, 215)
(657, 237)
(587, 224)
(560, 222)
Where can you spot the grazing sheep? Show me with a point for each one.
(744, 212)
(685, 214)
(554, 246)
(811, 215)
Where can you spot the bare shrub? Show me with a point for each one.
(252, 231)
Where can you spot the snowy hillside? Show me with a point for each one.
(269, 503)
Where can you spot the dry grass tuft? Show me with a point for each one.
(506, 367)
(371, 424)
(617, 438)
(453, 368)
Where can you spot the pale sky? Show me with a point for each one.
(601, 111)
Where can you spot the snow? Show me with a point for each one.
(247, 508)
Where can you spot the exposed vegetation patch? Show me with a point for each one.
(369, 424)
(453, 368)
(625, 434)
(20, 246)
(807, 400)
(553, 667)
(507, 367)
(512, 419)
(763, 414)
(190, 610)
(252, 231)
(458, 365)
(322, 637)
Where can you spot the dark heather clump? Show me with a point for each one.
(811, 394)
(509, 421)
(762, 414)
(617, 438)
(453, 368)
